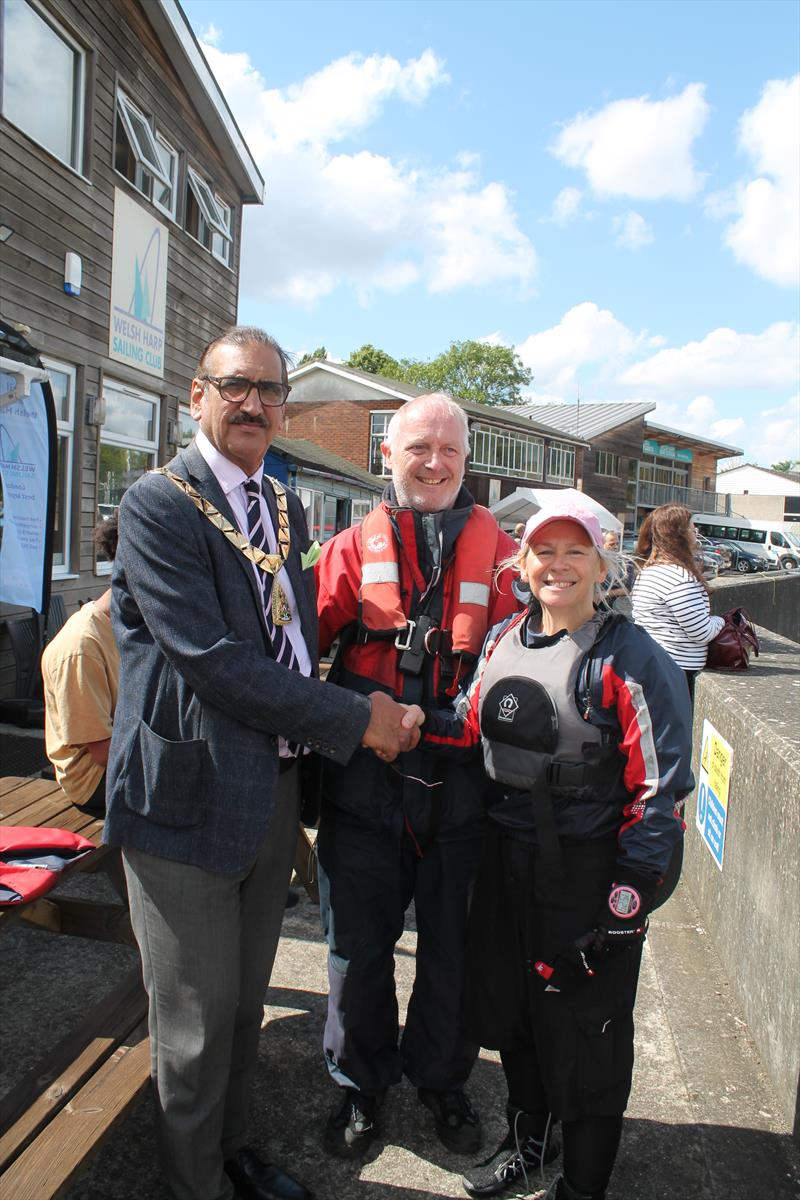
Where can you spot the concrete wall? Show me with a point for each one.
(751, 908)
(771, 599)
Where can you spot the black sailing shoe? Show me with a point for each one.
(458, 1126)
(515, 1162)
(351, 1130)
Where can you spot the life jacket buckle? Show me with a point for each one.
(405, 636)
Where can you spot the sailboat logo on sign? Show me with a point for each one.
(138, 287)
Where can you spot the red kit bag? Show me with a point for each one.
(31, 858)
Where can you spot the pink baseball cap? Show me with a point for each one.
(564, 512)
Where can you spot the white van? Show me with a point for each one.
(772, 538)
(782, 546)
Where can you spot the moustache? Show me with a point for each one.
(243, 419)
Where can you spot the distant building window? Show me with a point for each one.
(145, 157)
(187, 426)
(44, 81)
(378, 424)
(320, 513)
(209, 218)
(791, 506)
(359, 509)
(128, 445)
(607, 464)
(504, 451)
(560, 463)
(62, 383)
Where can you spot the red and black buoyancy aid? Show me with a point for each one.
(31, 858)
(390, 576)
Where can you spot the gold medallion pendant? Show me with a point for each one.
(281, 609)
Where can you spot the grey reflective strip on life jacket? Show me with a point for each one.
(474, 593)
(380, 572)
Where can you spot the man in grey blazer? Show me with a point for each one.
(202, 776)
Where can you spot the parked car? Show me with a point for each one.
(721, 553)
(709, 562)
(744, 561)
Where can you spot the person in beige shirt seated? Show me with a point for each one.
(80, 669)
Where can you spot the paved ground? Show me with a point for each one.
(701, 1124)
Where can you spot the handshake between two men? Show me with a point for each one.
(393, 728)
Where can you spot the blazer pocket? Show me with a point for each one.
(173, 775)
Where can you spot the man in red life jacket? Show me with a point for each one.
(410, 594)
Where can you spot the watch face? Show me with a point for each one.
(624, 901)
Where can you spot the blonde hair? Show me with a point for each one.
(611, 560)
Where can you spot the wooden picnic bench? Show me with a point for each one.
(57, 1116)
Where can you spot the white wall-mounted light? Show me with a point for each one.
(72, 274)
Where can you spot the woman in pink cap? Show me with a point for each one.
(584, 724)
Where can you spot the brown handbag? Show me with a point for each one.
(730, 649)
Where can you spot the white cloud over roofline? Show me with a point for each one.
(359, 219)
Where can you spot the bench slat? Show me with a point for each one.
(52, 1083)
(50, 1164)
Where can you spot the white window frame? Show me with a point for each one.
(143, 445)
(375, 446)
(146, 155)
(171, 209)
(607, 459)
(65, 427)
(221, 247)
(558, 454)
(184, 412)
(505, 452)
(360, 508)
(147, 144)
(79, 90)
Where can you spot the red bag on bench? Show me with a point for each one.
(32, 857)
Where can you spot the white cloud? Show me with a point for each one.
(766, 235)
(778, 436)
(723, 358)
(566, 205)
(352, 217)
(585, 335)
(211, 35)
(632, 231)
(639, 147)
(699, 416)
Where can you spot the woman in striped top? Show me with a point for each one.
(670, 596)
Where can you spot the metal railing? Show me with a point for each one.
(650, 495)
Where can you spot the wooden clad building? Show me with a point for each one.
(123, 181)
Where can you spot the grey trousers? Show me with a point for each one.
(208, 943)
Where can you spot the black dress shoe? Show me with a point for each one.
(256, 1180)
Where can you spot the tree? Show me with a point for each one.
(473, 371)
(320, 352)
(786, 465)
(376, 362)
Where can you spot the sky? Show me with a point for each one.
(613, 189)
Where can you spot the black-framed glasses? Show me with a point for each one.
(235, 389)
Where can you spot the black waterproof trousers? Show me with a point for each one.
(367, 882)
